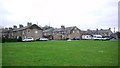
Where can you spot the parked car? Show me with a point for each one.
(100, 37)
(106, 38)
(43, 39)
(28, 39)
(76, 38)
(97, 37)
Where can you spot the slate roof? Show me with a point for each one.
(5, 30)
(58, 30)
(96, 31)
(18, 29)
(46, 27)
(49, 30)
(68, 29)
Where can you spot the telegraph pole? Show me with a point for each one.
(49, 23)
(114, 29)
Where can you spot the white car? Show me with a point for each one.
(97, 37)
(28, 39)
(43, 39)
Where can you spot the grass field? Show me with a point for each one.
(61, 53)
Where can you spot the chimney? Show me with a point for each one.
(96, 29)
(62, 26)
(20, 26)
(109, 28)
(10, 28)
(88, 29)
(14, 26)
(29, 24)
(6, 28)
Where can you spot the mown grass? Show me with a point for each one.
(61, 53)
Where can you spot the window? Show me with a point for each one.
(45, 33)
(28, 31)
(75, 28)
(36, 32)
(73, 31)
(87, 36)
(23, 32)
(12, 33)
(77, 31)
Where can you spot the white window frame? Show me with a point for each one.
(36, 31)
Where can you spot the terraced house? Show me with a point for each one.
(103, 32)
(33, 30)
(66, 32)
(48, 32)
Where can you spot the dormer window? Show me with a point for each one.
(75, 28)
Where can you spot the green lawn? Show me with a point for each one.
(60, 53)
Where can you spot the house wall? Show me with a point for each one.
(106, 33)
(48, 35)
(57, 36)
(15, 34)
(75, 33)
(35, 33)
(24, 33)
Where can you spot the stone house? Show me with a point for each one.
(59, 33)
(31, 30)
(103, 32)
(66, 32)
(48, 33)
(7, 33)
(73, 32)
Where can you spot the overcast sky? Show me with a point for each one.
(85, 14)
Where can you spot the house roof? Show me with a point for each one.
(96, 31)
(5, 30)
(69, 29)
(58, 30)
(48, 30)
(105, 30)
(46, 27)
(31, 26)
(66, 30)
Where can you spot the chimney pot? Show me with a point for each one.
(20, 26)
(14, 26)
(29, 24)
(109, 28)
(62, 26)
(10, 28)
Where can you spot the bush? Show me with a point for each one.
(8, 40)
(19, 39)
